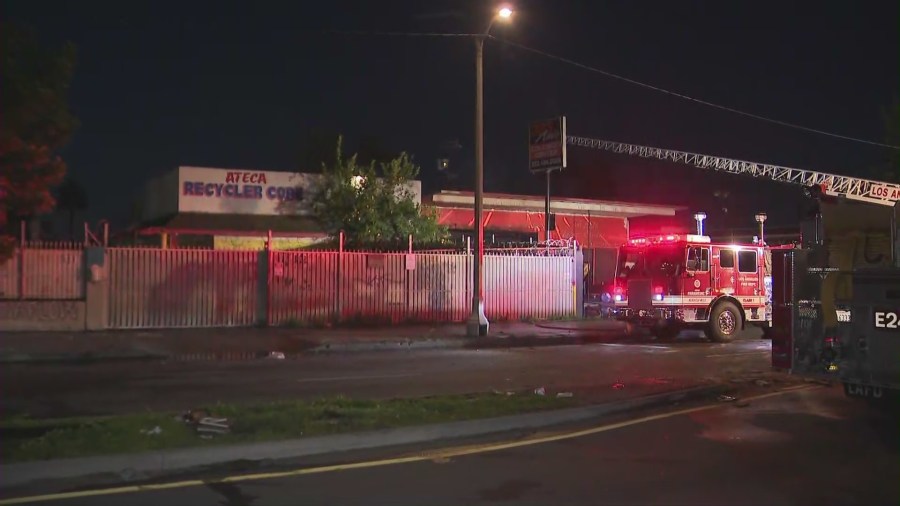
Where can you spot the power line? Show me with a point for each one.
(398, 34)
(685, 97)
(612, 75)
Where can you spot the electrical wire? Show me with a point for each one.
(619, 77)
(686, 97)
(398, 34)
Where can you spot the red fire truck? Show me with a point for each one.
(836, 295)
(673, 282)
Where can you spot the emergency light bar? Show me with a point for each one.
(669, 239)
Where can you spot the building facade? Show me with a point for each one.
(238, 209)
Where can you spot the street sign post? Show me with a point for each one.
(546, 153)
(547, 145)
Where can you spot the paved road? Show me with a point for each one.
(808, 447)
(588, 371)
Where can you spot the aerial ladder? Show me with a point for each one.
(863, 190)
(836, 298)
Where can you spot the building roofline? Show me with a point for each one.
(562, 205)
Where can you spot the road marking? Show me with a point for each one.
(422, 457)
(350, 378)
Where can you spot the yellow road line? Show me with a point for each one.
(430, 455)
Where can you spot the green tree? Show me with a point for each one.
(34, 123)
(373, 206)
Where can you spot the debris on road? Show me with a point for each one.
(618, 385)
(152, 432)
(209, 425)
(540, 391)
(727, 398)
(277, 355)
(564, 394)
(206, 425)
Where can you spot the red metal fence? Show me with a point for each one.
(158, 288)
(152, 288)
(44, 271)
(326, 286)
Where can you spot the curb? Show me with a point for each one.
(143, 466)
(437, 343)
(559, 326)
(82, 358)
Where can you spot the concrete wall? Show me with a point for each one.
(45, 315)
(87, 313)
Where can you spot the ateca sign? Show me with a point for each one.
(547, 145)
(223, 191)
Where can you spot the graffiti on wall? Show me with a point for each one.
(41, 311)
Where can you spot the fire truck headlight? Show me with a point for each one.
(658, 297)
(618, 297)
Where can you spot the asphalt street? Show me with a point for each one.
(589, 371)
(810, 447)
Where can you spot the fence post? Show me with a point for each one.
(409, 274)
(96, 288)
(338, 299)
(269, 277)
(21, 271)
(578, 279)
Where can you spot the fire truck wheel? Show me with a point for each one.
(724, 322)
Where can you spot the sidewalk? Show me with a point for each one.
(253, 343)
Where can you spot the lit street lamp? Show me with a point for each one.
(477, 324)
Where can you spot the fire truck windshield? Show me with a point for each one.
(650, 262)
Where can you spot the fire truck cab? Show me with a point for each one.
(673, 282)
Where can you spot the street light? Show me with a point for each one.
(477, 324)
(761, 219)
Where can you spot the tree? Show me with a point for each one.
(374, 207)
(34, 123)
(72, 198)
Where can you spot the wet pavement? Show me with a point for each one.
(810, 447)
(594, 373)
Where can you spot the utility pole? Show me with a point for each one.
(477, 324)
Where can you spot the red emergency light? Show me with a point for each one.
(668, 239)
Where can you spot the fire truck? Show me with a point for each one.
(835, 296)
(673, 282)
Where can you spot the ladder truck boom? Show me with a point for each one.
(834, 309)
(864, 190)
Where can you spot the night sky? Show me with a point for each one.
(241, 85)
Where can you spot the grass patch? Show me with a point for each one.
(27, 439)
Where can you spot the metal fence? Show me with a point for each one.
(182, 288)
(208, 288)
(44, 271)
(325, 286)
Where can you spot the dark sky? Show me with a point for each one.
(239, 84)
